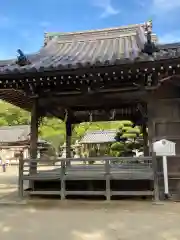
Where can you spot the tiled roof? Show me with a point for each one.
(104, 136)
(84, 49)
(96, 34)
(10, 134)
(13, 134)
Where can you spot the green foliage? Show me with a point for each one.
(127, 140)
(126, 123)
(117, 146)
(10, 115)
(3, 122)
(53, 129)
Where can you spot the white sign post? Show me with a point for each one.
(165, 148)
(165, 172)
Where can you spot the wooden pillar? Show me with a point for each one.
(34, 134)
(108, 181)
(68, 138)
(150, 110)
(151, 134)
(21, 174)
(145, 140)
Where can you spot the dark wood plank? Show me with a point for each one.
(47, 193)
(132, 193)
(88, 193)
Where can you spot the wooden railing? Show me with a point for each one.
(98, 168)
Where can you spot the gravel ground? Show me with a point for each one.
(83, 220)
(8, 181)
(123, 220)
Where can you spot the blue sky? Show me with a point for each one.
(23, 23)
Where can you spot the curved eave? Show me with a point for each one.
(161, 58)
(16, 98)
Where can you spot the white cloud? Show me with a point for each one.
(106, 6)
(165, 5)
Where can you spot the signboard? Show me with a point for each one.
(164, 148)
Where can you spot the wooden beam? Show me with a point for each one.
(96, 99)
(81, 118)
(168, 100)
(107, 90)
(98, 90)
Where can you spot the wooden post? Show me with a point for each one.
(156, 180)
(108, 186)
(150, 109)
(151, 135)
(68, 138)
(63, 185)
(34, 135)
(145, 140)
(21, 170)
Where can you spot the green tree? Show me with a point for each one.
(126, 140)
(53, 130)
(3, 122)
(11, 115)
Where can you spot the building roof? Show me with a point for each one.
(12, 134)
(99, 136)
(112, 46)
(57, 70)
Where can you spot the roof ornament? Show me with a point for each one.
(149, 46)
(22, 60)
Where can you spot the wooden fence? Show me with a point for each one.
(103, 168)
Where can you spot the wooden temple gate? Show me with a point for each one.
(110, 74)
